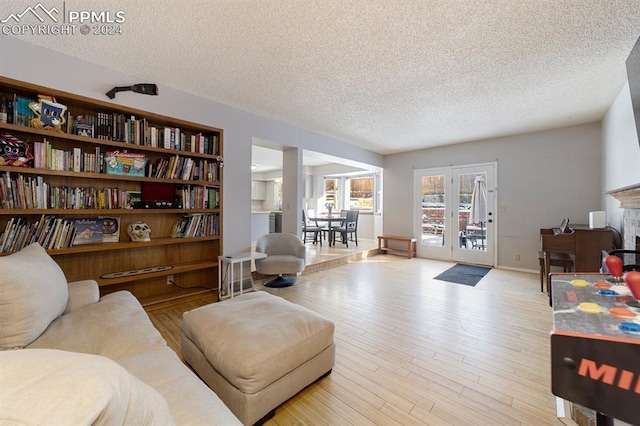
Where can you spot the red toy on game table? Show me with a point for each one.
(614, 264)
(632, 280)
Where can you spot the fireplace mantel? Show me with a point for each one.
(629, 196)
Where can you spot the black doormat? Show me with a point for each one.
(463, 274)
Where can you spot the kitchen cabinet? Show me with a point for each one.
(258, 190)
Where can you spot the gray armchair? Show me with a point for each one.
(285, 255)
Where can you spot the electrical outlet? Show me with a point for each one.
(518, 257)
(169, 279)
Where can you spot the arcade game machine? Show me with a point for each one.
(595, 344)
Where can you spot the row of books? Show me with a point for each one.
(197, 225)
(21, 113)
(198, 197)
(185, 168)
(32, 192)
(76, 160)
(138, 131)
(118, 127)
(53, 232)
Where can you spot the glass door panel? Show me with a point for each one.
(474, 210)
(433, 218)
(432, 189)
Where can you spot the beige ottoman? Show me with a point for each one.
(257, 350)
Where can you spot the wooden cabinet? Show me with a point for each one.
(69, 179)
(583, 243)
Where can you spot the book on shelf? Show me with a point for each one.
(43, 231)
(77, 163)
(196, 225)
(18, 234)
(9, 234)
(7, 101)
(88, 231)
(166, 138)
(110, 229)
(153, 137)
(176, 138)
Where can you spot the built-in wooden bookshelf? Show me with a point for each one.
(183, 156)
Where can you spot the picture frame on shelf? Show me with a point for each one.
(110, 229)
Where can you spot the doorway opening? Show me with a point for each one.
(455, 213)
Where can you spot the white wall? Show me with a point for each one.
(541, 177)
(26, 62)
(620, 153)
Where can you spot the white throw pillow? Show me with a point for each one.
(33, 293)
(52, 387)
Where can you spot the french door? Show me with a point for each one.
(455, 213)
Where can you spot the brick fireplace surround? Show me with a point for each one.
(629, 198)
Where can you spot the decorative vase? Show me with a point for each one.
(329, 207)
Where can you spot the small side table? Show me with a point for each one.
(227, 279)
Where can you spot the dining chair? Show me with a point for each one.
(562, 260)
(349, 227)
(462, 232)
(330, 230)
(310, 228)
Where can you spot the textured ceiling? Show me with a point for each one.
(386, 75)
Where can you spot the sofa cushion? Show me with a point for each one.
(33, 293)
(82, 293)
(54, 387)
(117, 326)
(190, 400)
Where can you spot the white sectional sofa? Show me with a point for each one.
(71, 357)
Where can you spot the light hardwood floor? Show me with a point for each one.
(414, 350)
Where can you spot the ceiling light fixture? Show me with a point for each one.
(254, 166)
(143, 88)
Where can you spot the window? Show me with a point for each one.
(362, 193)
(331, 193)
(361, 190)
(277, 193)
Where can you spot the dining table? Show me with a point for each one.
(330, 219)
